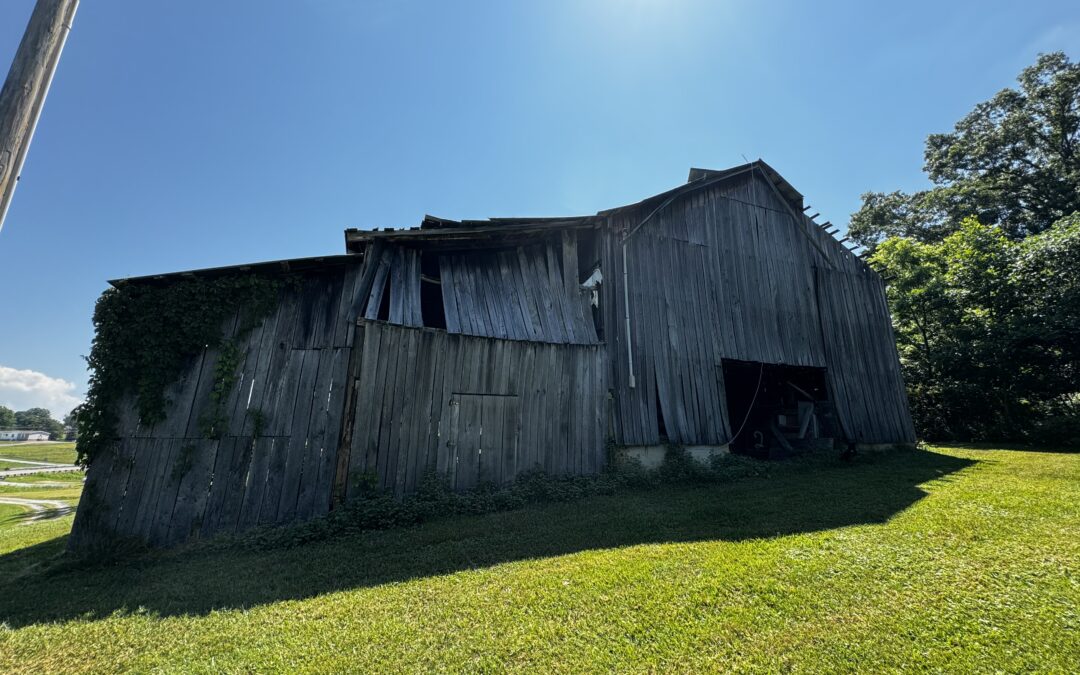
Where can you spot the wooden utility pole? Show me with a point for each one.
(26, 87)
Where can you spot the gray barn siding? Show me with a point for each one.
(421, 398)
(864, 370)
(731, 272)
(473, 409)
(168, 483)
(527, 293)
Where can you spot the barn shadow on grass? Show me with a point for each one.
(798, 499)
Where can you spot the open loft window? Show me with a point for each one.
(432, 309)
(545, 291)
(776, 410)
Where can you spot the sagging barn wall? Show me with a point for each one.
(472, 409)
(327, 401)
(275, 460)
(732, 272)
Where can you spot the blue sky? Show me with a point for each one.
(190, 134)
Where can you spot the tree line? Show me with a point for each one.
(36, 419)
(983, 268)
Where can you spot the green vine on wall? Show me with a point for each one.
(145, 335)
(213, 422)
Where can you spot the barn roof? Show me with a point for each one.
(268, 267)
(435, 231)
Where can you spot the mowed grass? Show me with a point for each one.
(16, 530)
(956, 559)
(47, 477)
(56, 453)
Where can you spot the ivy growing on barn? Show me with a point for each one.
(145, 335)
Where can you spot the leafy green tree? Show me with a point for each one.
(7, 418)
(71, 425)
(1013, 161)
(39, 419)
(987, 331)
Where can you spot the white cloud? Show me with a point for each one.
(22, 389)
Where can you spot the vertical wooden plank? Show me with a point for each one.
(281, 424)
(88, 530)
(111, 500)
(140, 458)
(404, 396)
(341, 427)
(347, 302)
(494, 296)
(378, 285)
(417, 318)
(199, 456)
(162, 511)
(217, 487)
(157, 453)
(556, 289)
(394, 353)
(315, 443)
(398, 289)
(367, 408)
(418, 425)
(453, 367)
(449, 295)
(354, 304)
(257, 481)
(436, 403)
(527, 292)
(467, 447)
(489, 453)
(326, 296)
(570, 261)
(298, 448)
(227, 490)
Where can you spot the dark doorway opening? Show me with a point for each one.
(776, 410)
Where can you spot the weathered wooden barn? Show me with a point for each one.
(714, 315)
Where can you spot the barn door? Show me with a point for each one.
(483, 439)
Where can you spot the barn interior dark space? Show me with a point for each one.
(384, 303)
(431, 297)
(766, 401)
(588, 262)
(660, 417)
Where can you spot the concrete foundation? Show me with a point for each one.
(652, 456)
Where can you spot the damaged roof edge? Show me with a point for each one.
(469, 230)
(269, 267)
(433, 228)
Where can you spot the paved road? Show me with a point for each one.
(40, 509)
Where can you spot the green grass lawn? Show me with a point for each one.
(957, 559)
(58, 453)
(49, 477)
(16, 532)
